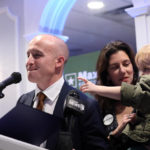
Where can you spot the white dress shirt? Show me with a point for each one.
(52, 94)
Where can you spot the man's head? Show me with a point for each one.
(142, 60)
(47, 55)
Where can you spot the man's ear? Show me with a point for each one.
(60, 61)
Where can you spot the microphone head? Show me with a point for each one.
(73, 104)
(16, 77)
(74, 93)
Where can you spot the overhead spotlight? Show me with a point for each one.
(95, 4)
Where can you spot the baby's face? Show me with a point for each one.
(144, 71)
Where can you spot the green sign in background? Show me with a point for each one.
(83, 66)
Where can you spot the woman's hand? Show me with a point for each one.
(128, 118)
(125, 120)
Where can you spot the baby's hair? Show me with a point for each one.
(142, 57)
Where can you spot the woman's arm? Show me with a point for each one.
(106, 91)
(125, 120)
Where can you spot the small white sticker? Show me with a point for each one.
(108, 119)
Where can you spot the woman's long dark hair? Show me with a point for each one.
(102, 67)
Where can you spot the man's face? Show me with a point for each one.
(41, 61)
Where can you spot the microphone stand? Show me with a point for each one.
(1, 95)
(1, 89)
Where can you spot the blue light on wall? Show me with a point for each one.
(54, 17)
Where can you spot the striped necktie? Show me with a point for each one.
(41, 98)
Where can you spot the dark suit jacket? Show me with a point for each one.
(89, 132)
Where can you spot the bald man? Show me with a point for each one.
(47, 56)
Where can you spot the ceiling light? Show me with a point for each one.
(95, 5)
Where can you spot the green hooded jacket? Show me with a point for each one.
(138, 96)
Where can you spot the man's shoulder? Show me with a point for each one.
(86, 100)
(81, 94)
(27, 96)
(31, 93)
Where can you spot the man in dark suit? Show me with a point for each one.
(47, 55)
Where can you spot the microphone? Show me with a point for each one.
(14, 78)
(73, 107)
(73, 104)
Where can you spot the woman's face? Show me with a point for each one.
(120, 68)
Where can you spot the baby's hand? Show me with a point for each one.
(87, 86)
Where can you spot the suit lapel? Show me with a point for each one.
(30, 99)
(59, 108)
